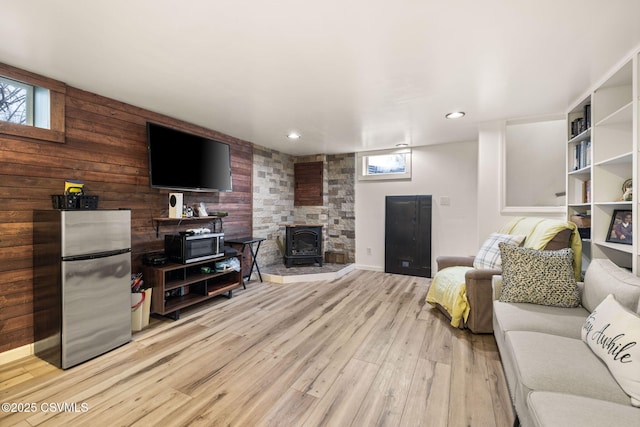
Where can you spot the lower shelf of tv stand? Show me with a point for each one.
(176, 303)
(178, 286)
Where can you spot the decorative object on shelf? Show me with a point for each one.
(202, 210)
(621, 227)
(627, 190)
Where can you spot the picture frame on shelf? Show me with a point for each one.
(621, 227)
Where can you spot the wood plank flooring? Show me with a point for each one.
(362, 350)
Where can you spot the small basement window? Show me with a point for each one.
(31, 106)
(386, 164)
(24, 104)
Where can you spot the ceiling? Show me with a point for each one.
(347, 75)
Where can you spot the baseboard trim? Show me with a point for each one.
(370, 267)
(16, 353)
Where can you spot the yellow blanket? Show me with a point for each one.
(449, 290)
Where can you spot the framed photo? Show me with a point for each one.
(621, 227)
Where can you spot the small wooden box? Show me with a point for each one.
(335, 257)
(581, 221)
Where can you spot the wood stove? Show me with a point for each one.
(303, 245)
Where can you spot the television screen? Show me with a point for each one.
(182, 161)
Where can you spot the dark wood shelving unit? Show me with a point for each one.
(215, 220)
(178, 286)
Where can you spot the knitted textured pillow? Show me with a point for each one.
(538, 277)
(489, 254)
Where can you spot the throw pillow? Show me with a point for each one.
(489, 254)
(538, 277)
(613, 334)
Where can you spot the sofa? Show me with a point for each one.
(461, 289)
(573, 365)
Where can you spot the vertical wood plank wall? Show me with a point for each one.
(106, 148)
(309, 184)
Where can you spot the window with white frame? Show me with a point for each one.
(386, 164)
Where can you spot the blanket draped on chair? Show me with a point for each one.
(448, 288)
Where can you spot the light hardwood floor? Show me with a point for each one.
(362, 350)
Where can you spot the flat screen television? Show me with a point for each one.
(182, 161)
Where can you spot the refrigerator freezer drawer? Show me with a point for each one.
(86, 232)
(96, 307)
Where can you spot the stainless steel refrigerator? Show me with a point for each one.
(82, 283)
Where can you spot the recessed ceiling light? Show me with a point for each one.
(402, 144)
(455, 115)
(293, 135)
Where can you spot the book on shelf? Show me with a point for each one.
(582, 155)
(586, 191)
(587, 116)
(577, 126)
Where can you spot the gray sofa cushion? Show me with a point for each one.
(602, 278)
(544, 362)
(566, 322)
(564, 410)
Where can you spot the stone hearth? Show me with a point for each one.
(279, 273)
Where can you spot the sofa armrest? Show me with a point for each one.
(484, 274)
(480, 297)
(454, 261)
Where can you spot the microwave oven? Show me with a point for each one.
(185, 248)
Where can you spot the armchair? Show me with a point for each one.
(463, 292)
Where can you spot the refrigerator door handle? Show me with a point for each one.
(96, 255)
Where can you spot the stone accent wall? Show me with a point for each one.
(341, 203)
(273, 202)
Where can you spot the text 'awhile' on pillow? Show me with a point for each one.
(613, 333)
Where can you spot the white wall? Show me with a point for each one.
(535, 162)
(490, 218)
(447, 170)
(489, 152)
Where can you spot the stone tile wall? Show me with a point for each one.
(341, 203)
(272, 200)
(273, 204)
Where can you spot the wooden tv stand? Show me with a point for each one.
(177, 286)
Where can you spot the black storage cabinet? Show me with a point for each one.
(408, 235)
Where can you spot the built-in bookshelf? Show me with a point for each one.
(602, 157)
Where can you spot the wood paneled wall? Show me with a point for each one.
(309, 184)
(105, 148)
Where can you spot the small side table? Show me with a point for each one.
(250, 242)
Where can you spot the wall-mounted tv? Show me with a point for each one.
(182, 161)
